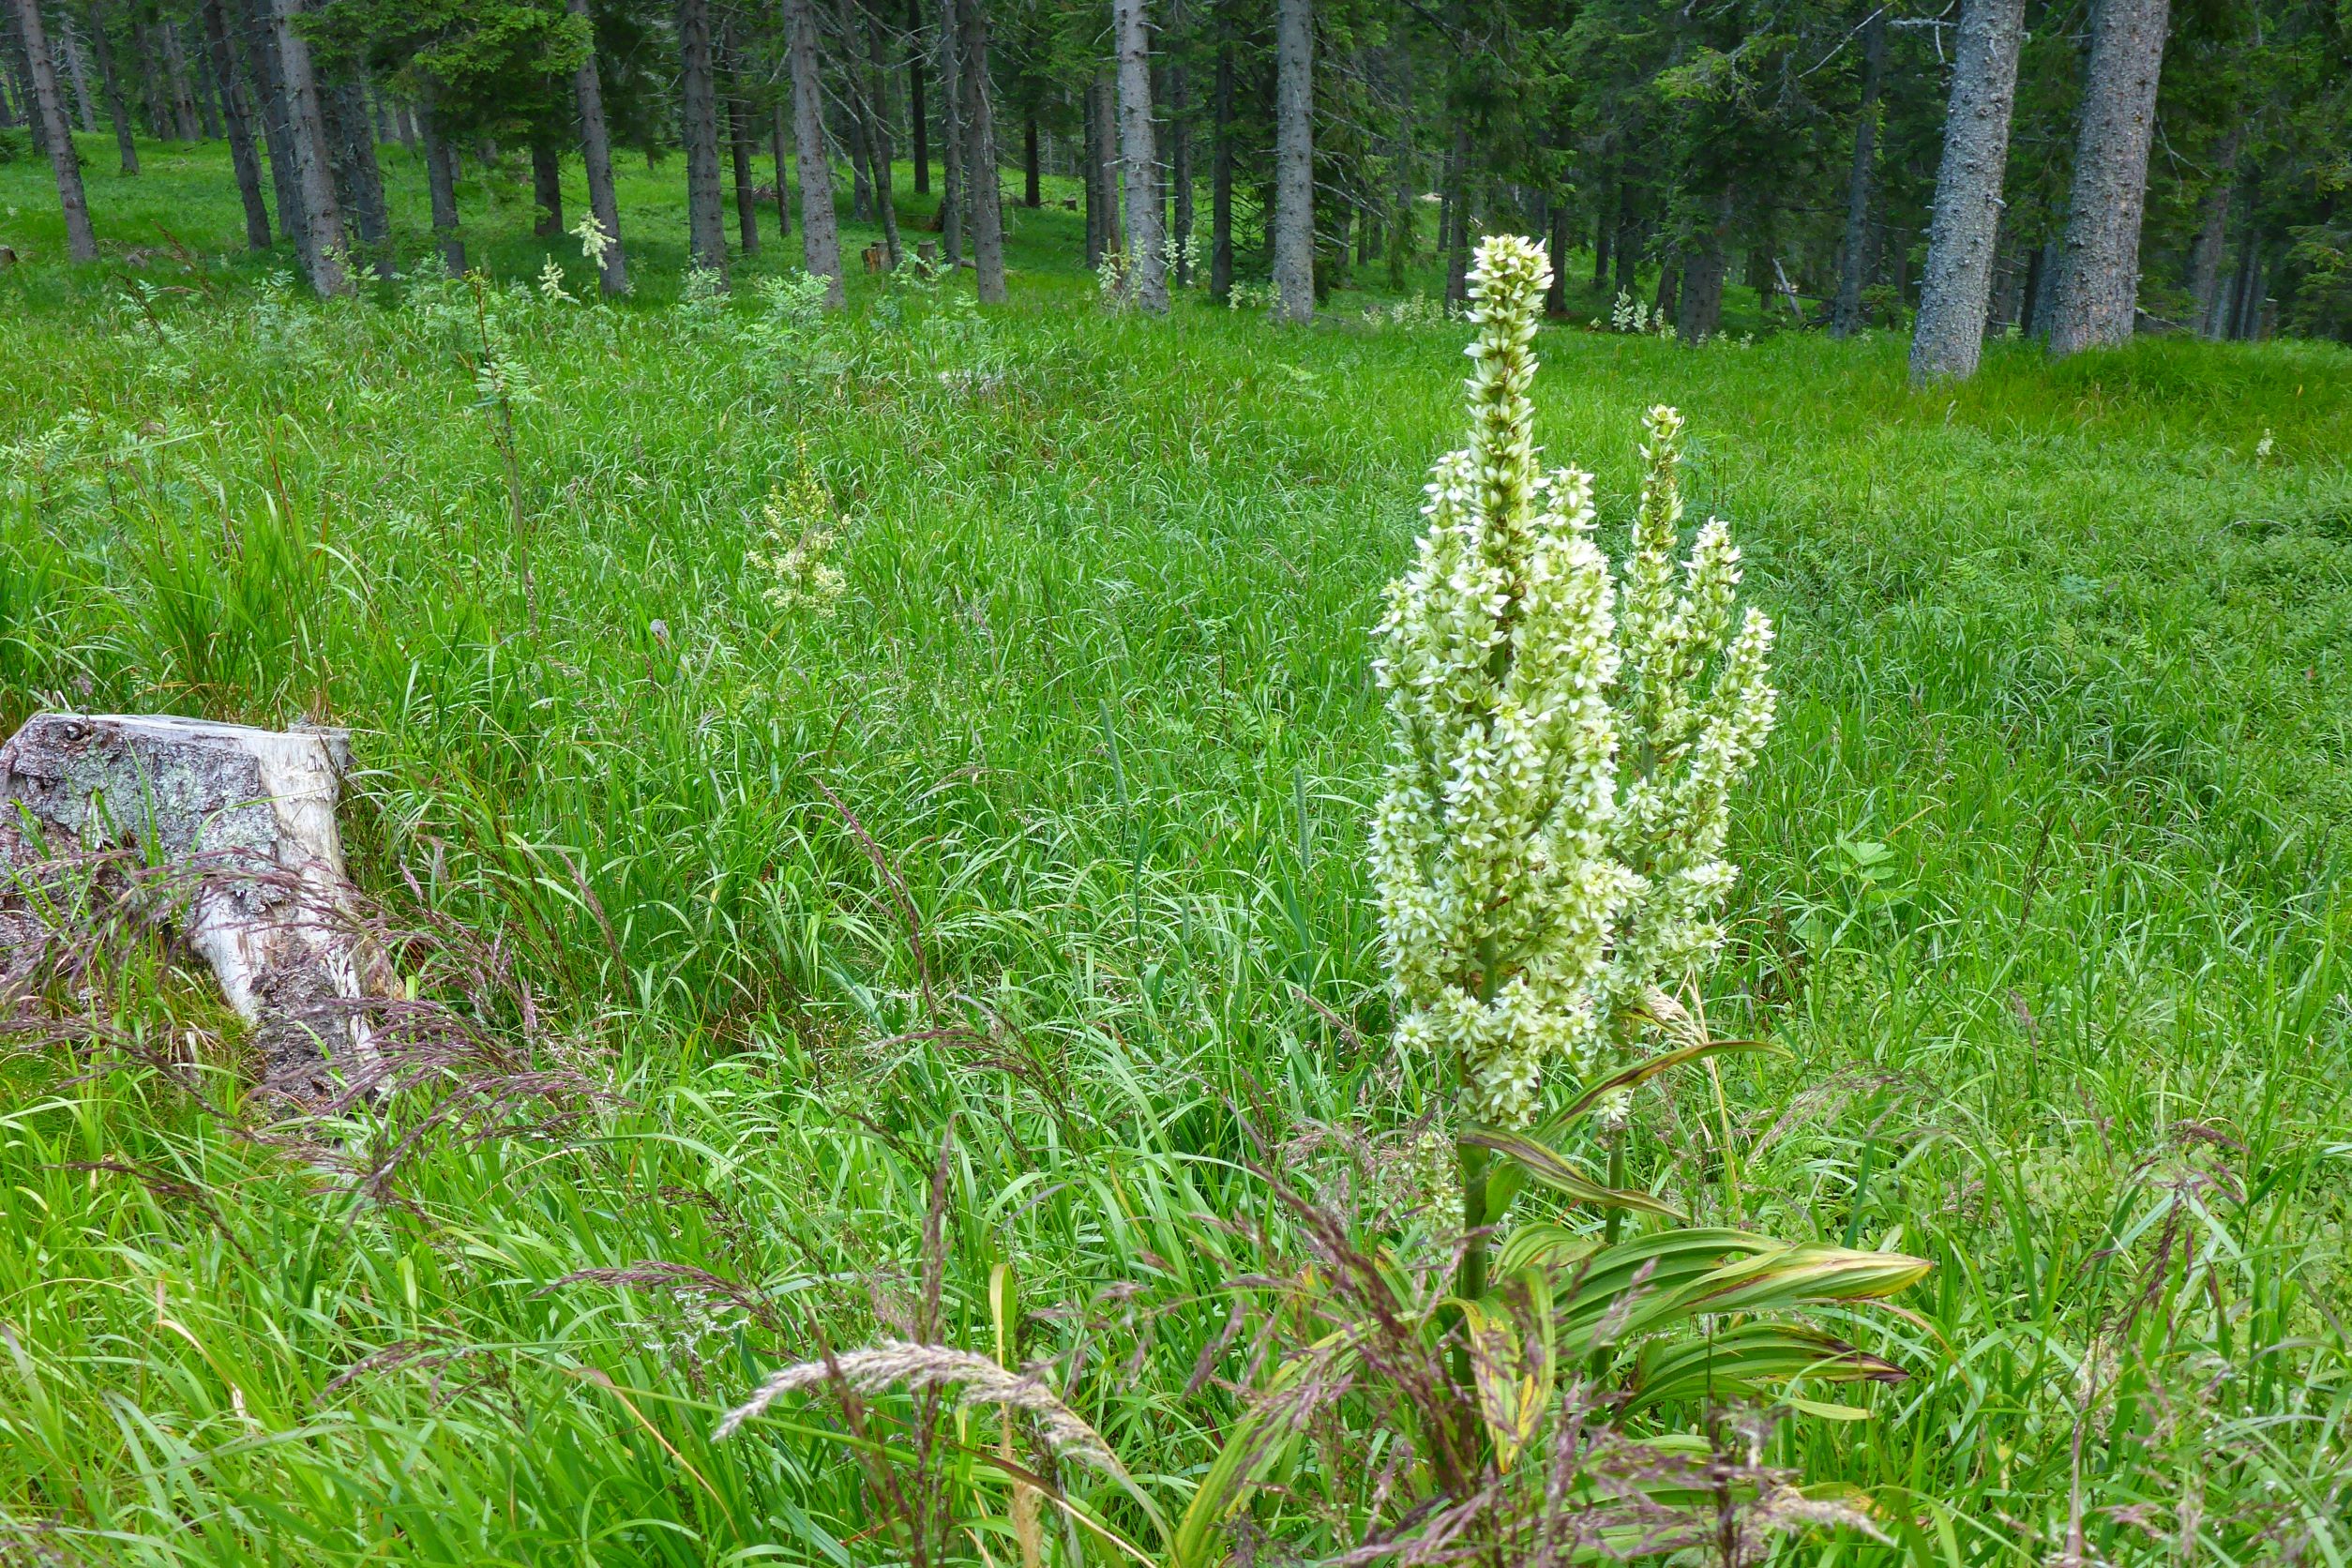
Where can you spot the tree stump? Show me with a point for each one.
(247, 817)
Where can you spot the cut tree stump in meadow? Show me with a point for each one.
(242, 821)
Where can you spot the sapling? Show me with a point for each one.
(1548, 851)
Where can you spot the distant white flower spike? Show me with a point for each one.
(1547, 846)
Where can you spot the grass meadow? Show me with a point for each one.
(1035, 870)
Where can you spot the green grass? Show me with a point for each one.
(2043, 891)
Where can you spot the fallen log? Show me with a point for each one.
(246, 818)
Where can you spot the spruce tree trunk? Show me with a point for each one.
(1604, 231)
(1556, 295)
(268, 76)
(747, 194)
(596, 154)
(547, 184)
(821, 235)
(143, 47)
(76, 68)
(314, 171)
(208, 88)
(2212, 244)
(706, 221)
(861, 163)
(125, 136)
(1221, 164)
(1139, 161)
(980, 168)
(878, 132)
(49, 111)
(175, 80)
(1845, 315)
(1950, 335)
(363, 178)
(1454, 220)
(238, 122)
(954, 154)
(2096, 301)
(1180, 169)
(918, 103)
(1627, 257)
(1100, 225)
(783, 191)
(1032, 183)
(441, 181)
(1698, 313)
(1294, 160)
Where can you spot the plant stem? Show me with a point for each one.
(1617, 1180)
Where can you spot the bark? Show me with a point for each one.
(596, 149)
(49, 111)
(1668, 301)
(1102, 184)
(126, 138)
(1221, 165)
(738, 112)
(1032, 189)
(1698, 315)
(238, 122)
(2029, 310)
(69, 44)
(268, 75)
(980, 172)
(1604, 229)
(441, 180)
(244, 821)
(1627, 260)
(1180, 170)
(1556, 293)
(1845, 315)
(314, 177)
(954, 155)
(706, 223)
(362, 178)
(1139, 161)
(184, 116)
(2212, 241)
(1950, 335)
(547, 184)
(1294, 160)
(820, 233)
(2245, 306)
(143, 48)
(1454, 220)
(918, 104)
(2095, 303)
(776, 126)
(878, 138)
(208, 89)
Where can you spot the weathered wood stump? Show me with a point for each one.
(247, 816)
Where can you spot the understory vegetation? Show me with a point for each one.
(878, 804)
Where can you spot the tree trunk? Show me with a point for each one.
(2212, 241)
(207, 88)
(2095, 304)
(78, 69)
(1147, 255)
(547, 184)
(1455, 218)
(126, 137)
(1180, 169)
(595, 150)
(1294, 160)
(821, 236)
(918, 115)
(1102, 223)
(1221, 164)
(354, 137)
(878, 137)
(1556, 293)
(783, 191)
(738, 111)
(954, 156)
(239, 126)
(268, 76)
(1700, 312)
(1950, 335)
(81, 244)
(142, 45)
(246, 818)
(706, 220)
(314, 169)
(1033, 188)
(1627, 260)
(183, 92)
(981, 179)
(1846, 316)
(1604, 229)
(441, 180)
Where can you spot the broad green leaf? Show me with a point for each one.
(1512, 1350)
(1545, 1165)
(1643, 1071)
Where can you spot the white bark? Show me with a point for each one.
(1294, 161)
(321, 237)
(247, 816)
(1147, 256)
(820, 233)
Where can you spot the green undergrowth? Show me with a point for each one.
(1049, 832)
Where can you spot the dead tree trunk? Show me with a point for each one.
(81, 244)
(244, 821)
(1147, 257)
(596, 152)
(1846, 316)
(1294, 161)
(1950, 335)
(2096, 303)
(819, 231)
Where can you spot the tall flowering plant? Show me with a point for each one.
(1566, 739)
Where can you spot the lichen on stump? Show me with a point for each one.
(244, 818)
